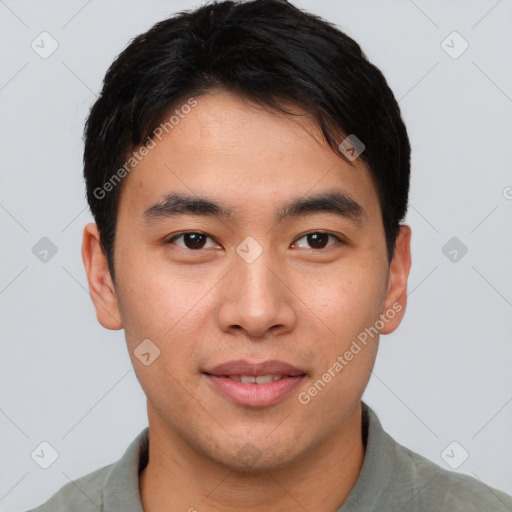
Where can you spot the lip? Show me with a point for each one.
(255, 395)
(243, 367)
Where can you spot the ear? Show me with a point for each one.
(396, 295)
(101, 286)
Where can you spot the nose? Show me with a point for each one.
(257, 299)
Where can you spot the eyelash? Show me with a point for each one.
(174, 237)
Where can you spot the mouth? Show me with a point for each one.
(255, 385)
(251, 379)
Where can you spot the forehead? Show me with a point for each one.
(243, 156)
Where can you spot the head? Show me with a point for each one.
(233, 221)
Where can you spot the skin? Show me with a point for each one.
(296, 302)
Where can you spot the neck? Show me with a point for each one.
(178, 478)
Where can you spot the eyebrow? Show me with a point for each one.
(176, 204)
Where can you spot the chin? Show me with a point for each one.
(255, 457)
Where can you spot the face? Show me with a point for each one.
(247, 285)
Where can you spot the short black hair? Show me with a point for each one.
(266, 50)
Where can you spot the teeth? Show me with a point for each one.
(265, 379)
(250, 379)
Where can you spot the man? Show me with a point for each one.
(248, 171)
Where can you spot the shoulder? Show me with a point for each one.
(85, 494)
(429, 487)
(104, 487)
(395, 478)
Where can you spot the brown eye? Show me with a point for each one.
(318, 240)
(194, 240)
(191, 240)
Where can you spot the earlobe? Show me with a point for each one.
(101, 287)
(396, 295)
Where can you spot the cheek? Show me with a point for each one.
(346, 302)
(165, 362)
(154, 299)
(349, 303)
(169, 309)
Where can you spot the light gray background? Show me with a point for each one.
(443, 376)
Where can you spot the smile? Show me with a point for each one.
(251, 391)
(250, 379)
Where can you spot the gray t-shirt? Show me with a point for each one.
(392, 479)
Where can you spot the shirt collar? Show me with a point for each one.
(121, 488)
(379, 464)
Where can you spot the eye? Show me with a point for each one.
(191, 240)
(318, 239)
